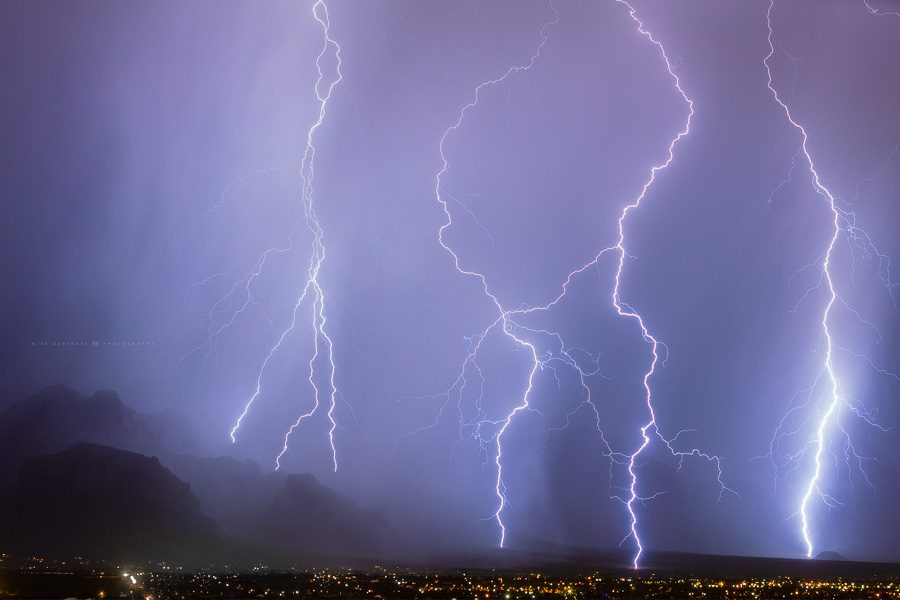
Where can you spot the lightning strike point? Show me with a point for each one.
(842, 220)
(651, 427)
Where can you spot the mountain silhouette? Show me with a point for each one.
(58, 416)
(830, 555)
(102, 502)
(292, 513)
(75, 480)
(307, 517)
(232, 492)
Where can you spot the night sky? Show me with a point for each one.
(154, 151)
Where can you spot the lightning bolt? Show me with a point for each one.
(506, 322)
(482, 429)
(835, 398)
(312, 292)
(880, 12)
(650, 428)
(319, 318)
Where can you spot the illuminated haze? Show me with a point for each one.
(154, 152)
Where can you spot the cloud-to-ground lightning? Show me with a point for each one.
(558, 352)
(825, 419)
(312, 291)
(650, 427)
(507, 326)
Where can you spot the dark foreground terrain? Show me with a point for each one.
(98, 501)
(677, 576)
(387, 583)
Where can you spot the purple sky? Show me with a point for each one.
(152, 151)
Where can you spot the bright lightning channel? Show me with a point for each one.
(651, 428)
(880, 12)
(504, 320)
(560, 353)
(323, 346)
(842, 220)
